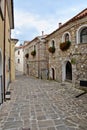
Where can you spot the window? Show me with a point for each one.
(19, 61)
(53, 43)
(34, 47)
(66, 37)
(52, 47)
(18, 52)
(83, 35)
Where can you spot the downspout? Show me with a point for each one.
(39, 74)
(4, 75)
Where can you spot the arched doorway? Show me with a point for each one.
(53, 74)
(1, 98)
(68, 71)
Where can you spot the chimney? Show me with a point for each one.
(42, 33)
(60, 24)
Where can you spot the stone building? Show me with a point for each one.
(69, 60)
(36, 62)
(61, 55)
(6, 24)
(19, 52)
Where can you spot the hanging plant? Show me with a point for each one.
(33, 53)
(73, 61)
(65, 45)
(52, 49)
(27, 55)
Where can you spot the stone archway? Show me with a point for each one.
(68, 71)
(0, 77)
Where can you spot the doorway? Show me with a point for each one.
(53, 74)
(68, 71)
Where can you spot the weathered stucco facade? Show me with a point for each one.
(19, 51)
(6, 24)
(12, 57)
(69, 64)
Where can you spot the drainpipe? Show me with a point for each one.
(4, 75)
(39, 60)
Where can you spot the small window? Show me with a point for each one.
(18, 52)
(83, 35)
(19, 61)
(66, 37)
(34, 47)
(53, 43)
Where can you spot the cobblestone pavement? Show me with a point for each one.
(43, 105)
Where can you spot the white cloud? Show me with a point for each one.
(26, 20)
(29, 20)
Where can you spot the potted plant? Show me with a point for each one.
(52, 49)
(27, 55)
(33, 53)
(65, 45)
(73, 61)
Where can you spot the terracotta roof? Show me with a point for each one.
(78, 16)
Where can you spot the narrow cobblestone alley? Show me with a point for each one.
(43, 105)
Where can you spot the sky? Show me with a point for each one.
(31, 17)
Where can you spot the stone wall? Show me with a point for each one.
(37, 65)
(76, 54)
(69, 65)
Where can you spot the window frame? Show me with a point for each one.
(63, 36)
(52, 43)
(66, 37)
(78, 33)
(83, 34)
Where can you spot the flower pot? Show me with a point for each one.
(51, 49)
